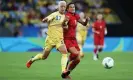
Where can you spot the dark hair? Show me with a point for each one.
(69, 5)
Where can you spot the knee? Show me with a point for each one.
(44, 57)
(74, 56)
(81, 55)
(64, 52)
(80, 42)
(45, 54)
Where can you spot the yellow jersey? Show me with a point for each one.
(81, 32)
(80, 27)
(55, 21)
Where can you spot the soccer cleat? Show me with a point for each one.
(95, 57)
(67, 78)
(28, 64)
(65, 74)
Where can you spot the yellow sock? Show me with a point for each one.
(64, 61)
(80, 46)
(81, 51)
(37, 57)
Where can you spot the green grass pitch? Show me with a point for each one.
(12, 67)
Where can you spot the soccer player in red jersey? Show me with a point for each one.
(99, 29)
(70, 38)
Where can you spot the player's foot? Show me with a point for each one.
(95, 57)
(28, 64)
(65, 74)
(67, 78)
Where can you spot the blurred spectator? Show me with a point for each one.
(17, 31)
(43, 9)
(22, 7)
(9, 7)
(18, 14)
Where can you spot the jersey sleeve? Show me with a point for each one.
(50, 17)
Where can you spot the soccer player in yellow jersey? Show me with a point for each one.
(54, 36)
(81, 33)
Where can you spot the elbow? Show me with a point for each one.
(84, 24)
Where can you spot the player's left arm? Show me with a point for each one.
(84, 22)
(105, 30)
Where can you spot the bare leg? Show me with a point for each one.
(39, 56)
(74, 58)
(95, 55)
(74, 61)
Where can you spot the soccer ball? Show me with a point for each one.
(108, 62)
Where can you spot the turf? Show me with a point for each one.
(12, 67)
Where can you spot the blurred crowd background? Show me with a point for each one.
(22, 18)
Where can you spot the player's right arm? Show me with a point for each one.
(45, 20)
(65, 22)
(48, 18)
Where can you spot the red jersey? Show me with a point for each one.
(100, 26)
(72, 24)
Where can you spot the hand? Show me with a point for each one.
(97, 32)
(45, 20)
(105, 32)
(66, 18)
(65, 27)
(88, 18)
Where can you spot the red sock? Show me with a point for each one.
(72, 56)
(100, 50)
(73, 64)
(95, 50)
